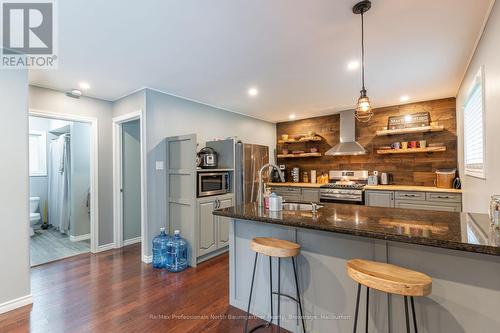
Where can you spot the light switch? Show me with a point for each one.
(159, 165)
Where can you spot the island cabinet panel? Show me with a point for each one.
(379, 198)
(465, 294)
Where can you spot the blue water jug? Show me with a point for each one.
(160, 249)
(176, 253)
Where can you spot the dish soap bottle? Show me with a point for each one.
(176, 253)
(160, 249)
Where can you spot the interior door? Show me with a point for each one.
(131, 180)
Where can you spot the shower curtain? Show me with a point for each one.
(59, 183)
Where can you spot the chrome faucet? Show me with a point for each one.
(260, 197)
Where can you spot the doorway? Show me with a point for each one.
(61, 163)
(128, 179)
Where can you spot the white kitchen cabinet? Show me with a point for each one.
(207, 227)
(449, 202)
(379, 198)
(310, 194)
(213, 231)
(223, 224)
(425, 205)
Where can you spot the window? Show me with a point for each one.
(474, 129)
(38, 153)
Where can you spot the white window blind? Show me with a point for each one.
(38, 153)
(474, 130)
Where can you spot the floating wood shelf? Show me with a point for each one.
(423, 129)
(300, 155)
(411, 150)
(305, 139)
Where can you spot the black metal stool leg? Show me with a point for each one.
(271, 289)
(406, 315)
(413, 314)
(357, 308)
(279, 294)
(367, 306)
(251, 290)
(298, 296)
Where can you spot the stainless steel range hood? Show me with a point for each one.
(348, 144)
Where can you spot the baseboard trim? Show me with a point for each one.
(105, 247)
(132, 241)
(147, 259)
(79, 238)
(16, 303)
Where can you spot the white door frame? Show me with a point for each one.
(117, 181)
(94, 167)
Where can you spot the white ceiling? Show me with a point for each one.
(295, 52)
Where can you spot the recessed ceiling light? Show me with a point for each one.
(84, 85)
(353, 65)
(292, 116)
(253, 92)
(404, 98)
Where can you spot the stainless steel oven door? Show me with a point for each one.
(212, 183)
(353, 197)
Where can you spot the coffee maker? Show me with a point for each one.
(275, 178)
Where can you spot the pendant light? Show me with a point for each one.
(363, 108)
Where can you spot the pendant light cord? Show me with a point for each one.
(362, 51)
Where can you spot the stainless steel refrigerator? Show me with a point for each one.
(249, 158)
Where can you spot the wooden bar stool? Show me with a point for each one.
(275, 248)
(390, 279)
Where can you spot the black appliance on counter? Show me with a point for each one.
(207, 158)
(345, 187)
(275, 177)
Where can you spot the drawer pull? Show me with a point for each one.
(444, 197)
(410, 195)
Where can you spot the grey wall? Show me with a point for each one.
(57, 102)
(477, 192)
(14, 193)
(80, 178)
(130, 103)
(167, 115)
(131, 179)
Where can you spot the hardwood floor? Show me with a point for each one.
(114, 292)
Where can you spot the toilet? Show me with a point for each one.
(35, 217)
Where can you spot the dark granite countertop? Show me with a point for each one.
(458, 231)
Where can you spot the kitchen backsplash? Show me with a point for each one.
(407, 169)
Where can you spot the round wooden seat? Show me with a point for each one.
(274, 247)
(389, 278)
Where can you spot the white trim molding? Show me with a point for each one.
(105, 247)
(94, 167)
(147, 259)
(117, 180)
(16, 303)
(132, 241)
(79, 238)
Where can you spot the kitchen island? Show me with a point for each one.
(460, 251)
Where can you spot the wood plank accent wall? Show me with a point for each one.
(407, 169)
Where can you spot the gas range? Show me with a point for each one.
(345, 187)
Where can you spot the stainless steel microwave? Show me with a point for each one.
(213, 183)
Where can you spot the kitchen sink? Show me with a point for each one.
(300, 206)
